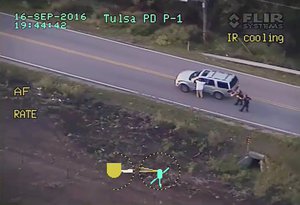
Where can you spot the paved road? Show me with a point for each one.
(275, 104)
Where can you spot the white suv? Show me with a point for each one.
(218, 84)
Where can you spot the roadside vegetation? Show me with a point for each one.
(174, 38)
(208, 148)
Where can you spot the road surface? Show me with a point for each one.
(275, 105)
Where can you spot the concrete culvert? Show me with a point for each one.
(253, 160)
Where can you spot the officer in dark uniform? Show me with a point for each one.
(239, 98)
(246, 103)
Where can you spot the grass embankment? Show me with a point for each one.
(202, 144)
(171, 40)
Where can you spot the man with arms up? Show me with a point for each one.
(199, 88)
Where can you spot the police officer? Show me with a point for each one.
(246, 103)
(239, 98)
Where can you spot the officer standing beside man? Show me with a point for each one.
(239, 97)
(246, 101)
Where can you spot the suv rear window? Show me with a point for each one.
(223, 85)
(233, 82)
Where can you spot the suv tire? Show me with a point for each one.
(218, 95)
(184, 88)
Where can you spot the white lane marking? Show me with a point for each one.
(169, 55)
(250, 122)
(151, 96)
(148, 96)
(70, 75)
(174, 102)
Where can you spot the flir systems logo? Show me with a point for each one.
(257, 21)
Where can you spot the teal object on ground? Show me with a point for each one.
(159, 176)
